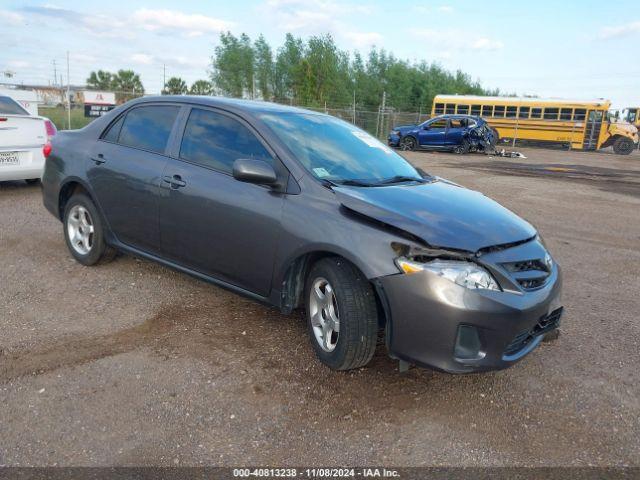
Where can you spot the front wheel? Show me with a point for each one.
(408, 143)
(84, 231)
(342, 316)
(623, 146)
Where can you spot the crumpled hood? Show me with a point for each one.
(440, 213)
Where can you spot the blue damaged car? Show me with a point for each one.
(455, 133)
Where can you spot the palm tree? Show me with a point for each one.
(127, 84)
(201, 87)
(175, 86)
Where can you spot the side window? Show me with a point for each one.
(450, 108)
(512, 111)
(458, 123)
(475, 110)
(551, 113)
(580, 114)
(214, 140)
(148, 127)
(463, 109)
(114, 130)
(536, 112)
(487, 110)
(438, 124)
(566, 114)
(498, 111)
(524, 112)
(439, 109)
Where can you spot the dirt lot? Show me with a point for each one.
(133, 364)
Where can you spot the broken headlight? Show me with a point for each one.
(465, 274)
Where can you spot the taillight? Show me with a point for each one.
(51, 129)
(46, 150)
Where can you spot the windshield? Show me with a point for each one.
(334, 150)
(9, 106)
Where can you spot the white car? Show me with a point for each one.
(24, 142)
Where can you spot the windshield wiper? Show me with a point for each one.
(355, 183)
(400, 179)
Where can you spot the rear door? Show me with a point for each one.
(125, 169)
(455, 132)
(209, 221)
(432, 134)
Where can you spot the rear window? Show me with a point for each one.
(149, 127)
(9, 106)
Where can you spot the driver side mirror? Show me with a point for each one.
(426, 127)
(254, 171)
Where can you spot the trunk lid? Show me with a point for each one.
(21, 131)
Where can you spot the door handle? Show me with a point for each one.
(174, 181)
(99, 159)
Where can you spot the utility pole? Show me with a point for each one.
(68, 93)
(55, 72)
(164, 78)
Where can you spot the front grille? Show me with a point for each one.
(544, 325)
(530, 274)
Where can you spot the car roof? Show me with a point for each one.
(233, 104)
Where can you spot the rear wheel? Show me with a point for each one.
(623, 146)
(342, 316)
(462, 148)
(84, 231)
(408, 143)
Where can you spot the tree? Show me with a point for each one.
(263, 67)
(127, 85)
(201, 87)
(100, 80)
(175, 86)
(232, 66)
(288, 67)
(316, 73)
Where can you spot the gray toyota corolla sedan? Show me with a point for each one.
(302, 210)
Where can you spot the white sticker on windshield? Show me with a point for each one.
(369, 140)
(320, 172)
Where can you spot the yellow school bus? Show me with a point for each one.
(583, 125)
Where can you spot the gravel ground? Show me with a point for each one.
(130, 363)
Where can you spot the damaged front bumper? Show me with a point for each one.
(436, 323)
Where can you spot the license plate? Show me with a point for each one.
(9, 158)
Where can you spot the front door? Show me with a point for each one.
(124, 170)
(592, 129)
(209, 221)
(432, 134)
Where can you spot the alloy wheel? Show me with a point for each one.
(325, 319)
(80, 229)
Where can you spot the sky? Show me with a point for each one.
(570, 49)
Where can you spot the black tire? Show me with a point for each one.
(355, 301)
(623, 146)
(98, 250)
(463, 148)
(32, 181)
(408, 143)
